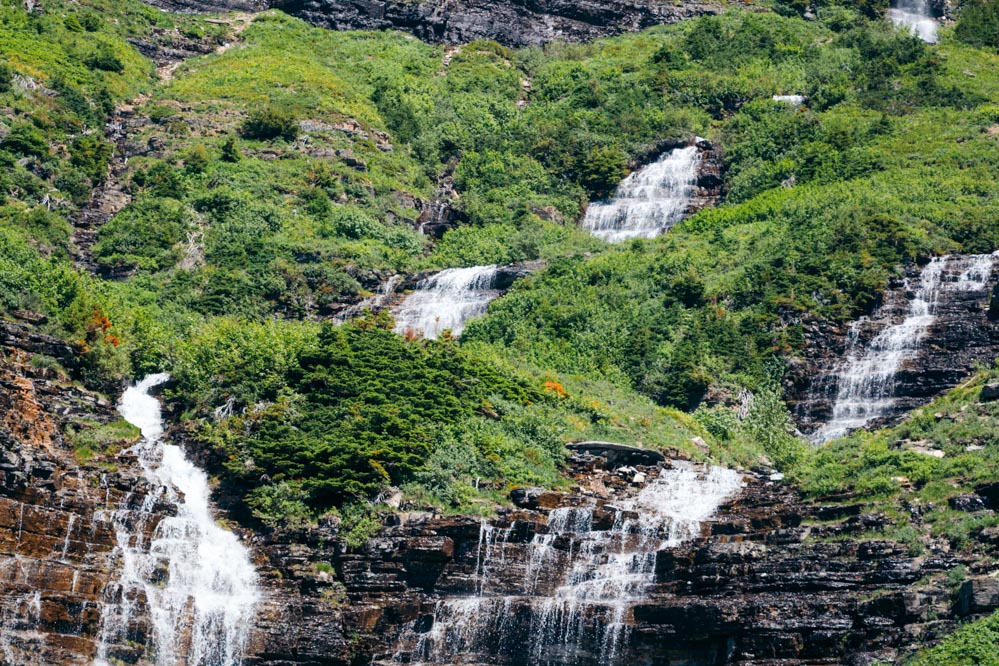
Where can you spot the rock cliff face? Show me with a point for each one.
(514, 23)
(770, 579)
(55, 548)
(933, 350)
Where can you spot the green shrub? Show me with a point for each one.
(196, 158)
(75, 183)
(6, 77)
(91, 154)
(104, 58)
(230, 150)
(90, 21)
(978, 23)
(270, 123)
(974, 644)
(145, 235)
(602, 170)
(25, 139)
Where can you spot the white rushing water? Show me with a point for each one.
(866, 378)
(580, 592)
(793, 100)
(915, 16)
(446, 301)
(197, 579)
(372, 303)
(649, 201)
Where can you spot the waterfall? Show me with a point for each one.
(648, 201)
(374, 303)
(580, 579)
(793, 100)
(866, 379)
(915, 16)
(199, 585)
(446, 301)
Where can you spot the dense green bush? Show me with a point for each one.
(105, 59)
(91, 154)
(146, 235)
(347, 412)
(25, 139)
(6, 77)
(270, 123)
(978, 23)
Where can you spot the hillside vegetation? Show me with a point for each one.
(282, 175)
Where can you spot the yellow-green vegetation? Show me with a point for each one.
(974, 644)
(889, 467)
(285, 171)
(91, 439)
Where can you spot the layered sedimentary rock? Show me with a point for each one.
(768, 579)
(513, 23)
(934, 325)
(56, 543)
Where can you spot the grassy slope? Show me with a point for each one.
(890, 163)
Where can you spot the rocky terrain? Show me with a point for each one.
(771, 579)
(55, 539)
(513, 23)
(963, 336)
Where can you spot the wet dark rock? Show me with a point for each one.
(617, 455)
(961, 338)
(977, 596)
(969, 503)
(515, 23)
(990, 392)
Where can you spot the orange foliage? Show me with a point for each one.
(556, 388)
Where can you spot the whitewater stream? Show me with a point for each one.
(199, 586)
(866, 379)
(581, 577)
(649, 201)
(446, 301)
(915, 15)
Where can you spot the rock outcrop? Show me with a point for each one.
(770, 580)
(55, 541)
(514, 23)
(961, 336)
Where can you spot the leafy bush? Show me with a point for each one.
(978, 23)
(104, 58)
(270, 123)
(91, 154)
(145, 235)
(602, 170)
(6, 77)
(25, 139)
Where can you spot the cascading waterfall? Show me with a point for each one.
(374, 303)
(865, 380)
(649, 201)
(915, 16)
(446, 301)
(579, 582)
(198, 583)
